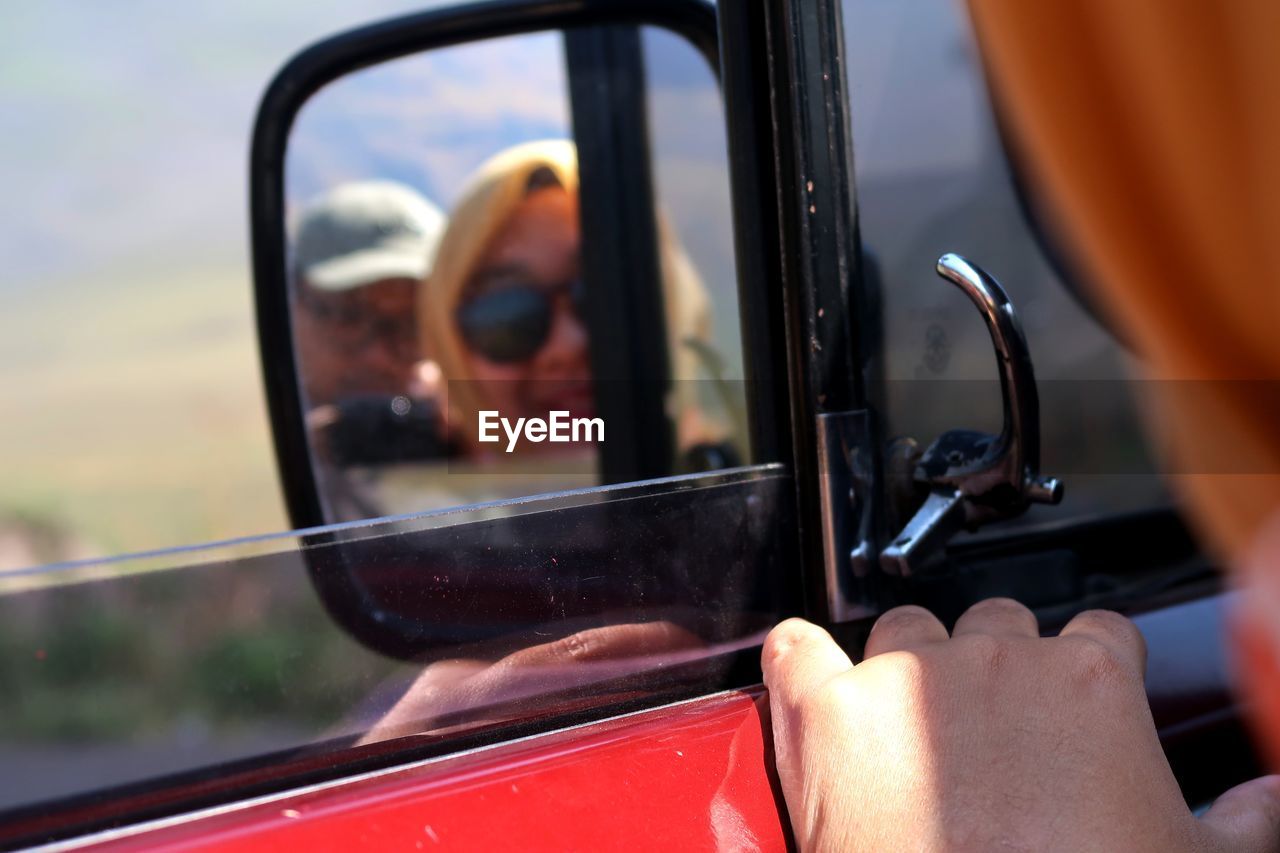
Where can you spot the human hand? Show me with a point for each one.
(480, 687)
(991, 739)
(426, 382)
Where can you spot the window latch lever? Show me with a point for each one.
(973, 478)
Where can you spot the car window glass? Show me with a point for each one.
(452, 629)
(691, 188)
(932, 178)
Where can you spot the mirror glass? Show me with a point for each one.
(511, 272)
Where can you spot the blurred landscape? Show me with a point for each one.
(136, 419)
(131, 409)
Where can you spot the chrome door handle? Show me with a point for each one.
(974, 478)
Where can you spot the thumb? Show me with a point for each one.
(1246, 818)
(798, 658)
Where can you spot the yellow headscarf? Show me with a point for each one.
(487, 201)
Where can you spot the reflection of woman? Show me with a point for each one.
(502, 308)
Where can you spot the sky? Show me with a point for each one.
(125, 126)
(428, 120)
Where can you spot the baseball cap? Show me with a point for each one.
(365, 231)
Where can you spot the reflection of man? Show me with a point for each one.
(361, 253)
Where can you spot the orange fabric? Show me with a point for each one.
(1153, 129)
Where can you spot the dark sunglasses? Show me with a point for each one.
(512, 324)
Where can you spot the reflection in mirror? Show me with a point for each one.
(463, 331)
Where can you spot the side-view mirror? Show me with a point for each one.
(493, 258)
